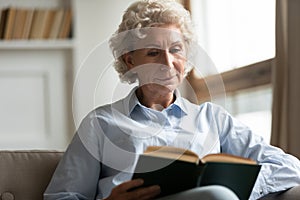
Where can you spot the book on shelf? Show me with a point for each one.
(27, 23)
(19, 23)
(56, 24)
(176, 170)
(9, 24)
(65, 28)
(48, 23)
(3, 16)
(38, 23)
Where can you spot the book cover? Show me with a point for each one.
(175, 173)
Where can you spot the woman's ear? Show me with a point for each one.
(128, 60)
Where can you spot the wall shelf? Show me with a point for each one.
(36, 44)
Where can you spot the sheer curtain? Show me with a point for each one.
(286, 78)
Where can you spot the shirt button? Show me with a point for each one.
(261, 192)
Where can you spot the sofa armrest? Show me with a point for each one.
(290, 194)
(26, 174)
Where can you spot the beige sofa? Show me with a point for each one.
(24, 175)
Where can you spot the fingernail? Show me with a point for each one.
(156, 187)
(156, 190)
(141, 181)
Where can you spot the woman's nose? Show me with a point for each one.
(168, 59)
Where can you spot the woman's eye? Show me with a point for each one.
(175, 50)
(152, 53)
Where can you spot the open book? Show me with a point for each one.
(176, 169)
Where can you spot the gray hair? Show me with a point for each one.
(143, 14)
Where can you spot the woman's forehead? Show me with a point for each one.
(160, 38)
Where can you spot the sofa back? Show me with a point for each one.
(24, 175)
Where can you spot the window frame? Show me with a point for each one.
(250, 76)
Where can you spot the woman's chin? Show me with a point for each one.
(167, 88)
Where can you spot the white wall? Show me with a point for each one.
(95, 21)
(33, 87)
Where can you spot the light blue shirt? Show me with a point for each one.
(105, 148)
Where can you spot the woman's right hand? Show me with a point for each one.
(123, 191)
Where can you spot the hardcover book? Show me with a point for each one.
(176, 170)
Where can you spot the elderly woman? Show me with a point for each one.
(152, 46)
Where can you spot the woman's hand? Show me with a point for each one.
(121, 191)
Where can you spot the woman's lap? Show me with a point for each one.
(213, 192)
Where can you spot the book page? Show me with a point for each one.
(172, 153)
(222, 157)
(189, 156)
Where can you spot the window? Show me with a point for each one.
(235, 34)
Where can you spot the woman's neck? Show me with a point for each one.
(157, 100)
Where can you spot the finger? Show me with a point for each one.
(123, 187)
(145, 193)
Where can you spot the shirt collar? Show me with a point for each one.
(131, 101)
(179, 101)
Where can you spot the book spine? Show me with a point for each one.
(57, 21)
(10, 20)
(3, 15)
(48, 23)
(66, 24)
(27, 24)
(19, 23)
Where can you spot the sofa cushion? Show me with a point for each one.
(26, 174)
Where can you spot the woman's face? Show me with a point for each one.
(159, 59)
